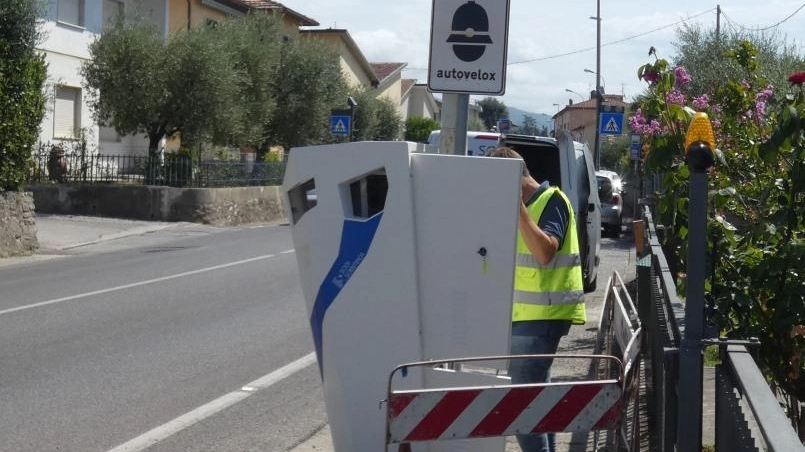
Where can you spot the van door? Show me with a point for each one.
(589, 185)
(577, 171)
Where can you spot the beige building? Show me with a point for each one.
(185, 14)
(356, 69)
(385, 78)
(419, 101)
(580, 118)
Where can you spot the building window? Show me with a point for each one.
(111, 9)
(71, 12)
(67, 112)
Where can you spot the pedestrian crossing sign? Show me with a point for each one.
(340, 124)
(611, 123)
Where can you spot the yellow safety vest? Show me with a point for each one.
(553, 291)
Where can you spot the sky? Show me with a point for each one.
(551, 43)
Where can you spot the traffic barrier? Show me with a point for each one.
(620, 333)
(502, 410)
(483, 411)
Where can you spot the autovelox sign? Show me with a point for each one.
(468, 43)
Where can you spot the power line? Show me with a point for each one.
(614, 42)
(732, 22)
(574, 52)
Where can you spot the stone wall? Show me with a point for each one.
(17, 224)
(216, 206)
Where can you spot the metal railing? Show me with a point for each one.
(168, 170)
(748, 416)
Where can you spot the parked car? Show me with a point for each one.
(610, 193)
(567, 164)
(478, 143)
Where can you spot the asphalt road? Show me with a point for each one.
(116, 343)
(182, 338)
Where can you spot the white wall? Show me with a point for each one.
(66, 48)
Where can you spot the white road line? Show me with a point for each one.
(136, 284)
(186, 420)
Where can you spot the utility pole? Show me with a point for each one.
(718, 23)
(598, 85)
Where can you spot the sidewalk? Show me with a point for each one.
(58, 234)
(64, 232)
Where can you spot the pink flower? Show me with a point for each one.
(765, 94)
(651, 76)
(675, 97)
(760, 109)
(682, 76)
(797, 79)
(701, 102)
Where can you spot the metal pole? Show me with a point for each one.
(689, 425)
(597, 86)
(453, 138)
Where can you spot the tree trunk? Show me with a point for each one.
(152, 163)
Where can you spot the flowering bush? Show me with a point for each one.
(756, 214)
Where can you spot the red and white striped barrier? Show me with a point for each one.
(502, 410)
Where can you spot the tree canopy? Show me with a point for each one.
(246, 81)
(756, 215)
(492, 109)
(138, 83)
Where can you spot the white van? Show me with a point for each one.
(478, 143)
(568, 164)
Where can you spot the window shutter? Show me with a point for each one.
(66, 112)
(71, 12)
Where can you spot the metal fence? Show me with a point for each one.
(748, 417)
(168, 170)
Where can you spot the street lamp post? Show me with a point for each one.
(601, 89)
(568, 90)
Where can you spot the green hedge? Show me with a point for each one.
(22, 101)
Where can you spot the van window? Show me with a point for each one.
(583, 182)
(542, 161)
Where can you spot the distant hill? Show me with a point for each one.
(516, 115)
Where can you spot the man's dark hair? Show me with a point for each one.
(509, 153)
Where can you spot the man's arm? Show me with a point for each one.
(542, 245)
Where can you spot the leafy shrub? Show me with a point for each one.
(22, 101)
(418, 128)
(756, 217)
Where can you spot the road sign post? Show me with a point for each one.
(468, 45)
(503, 125)
(341, 122)
(611, 123)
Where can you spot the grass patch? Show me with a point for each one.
(711, 358)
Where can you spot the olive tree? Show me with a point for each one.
(307, 85)
(389, 121)
(139, 83)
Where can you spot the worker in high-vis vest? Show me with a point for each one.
(548, 286)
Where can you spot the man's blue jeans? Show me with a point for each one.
(535, 337)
